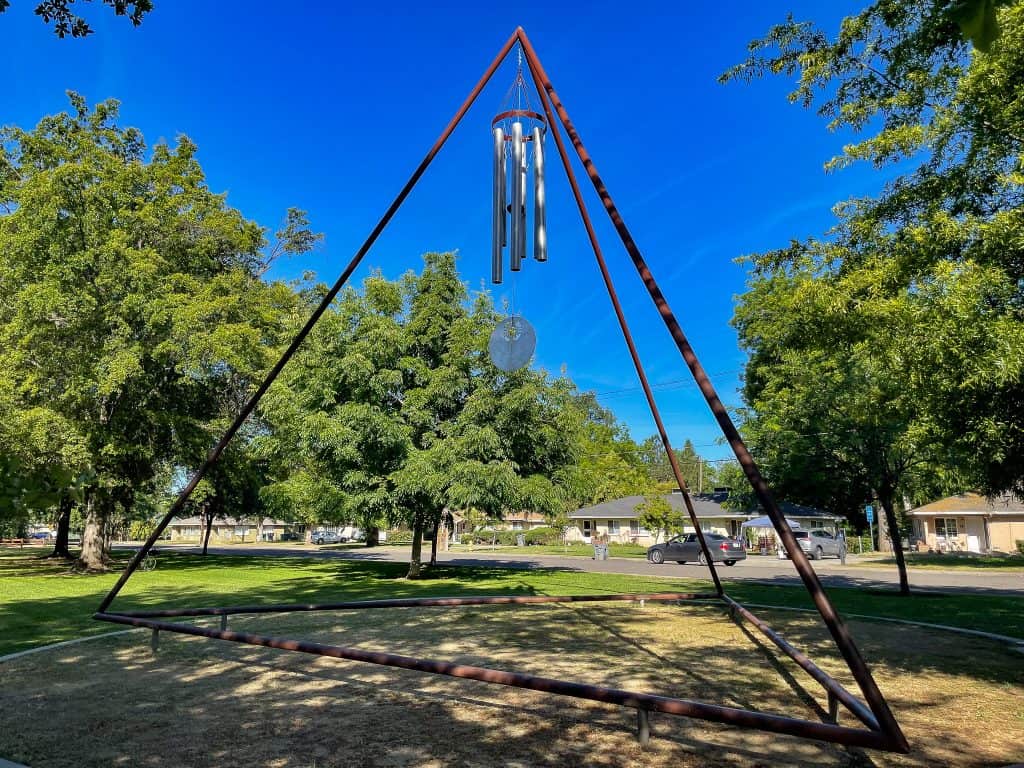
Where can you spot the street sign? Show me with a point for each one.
(870, 512)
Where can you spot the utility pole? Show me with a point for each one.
(700, 474)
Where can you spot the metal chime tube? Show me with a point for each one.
(498, 215)
(540, 230)
(517, 247)
(504, 195)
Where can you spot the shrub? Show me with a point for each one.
(401, 536)
(547, 535)
(139, 530)
(1020, 546)
(501, 538)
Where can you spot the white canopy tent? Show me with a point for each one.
(765, 522)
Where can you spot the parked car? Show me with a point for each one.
(326, 537)
(817, 544)
(686, 548)
(41, 535)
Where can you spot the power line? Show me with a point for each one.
(664, 385)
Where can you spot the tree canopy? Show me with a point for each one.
(887, 358)
(62, 14)
(393, 413)
(131, 300)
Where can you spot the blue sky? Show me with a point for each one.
(329, 107)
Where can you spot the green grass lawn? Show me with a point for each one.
(42, 602)
(953, 561)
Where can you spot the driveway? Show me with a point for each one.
(766, 570)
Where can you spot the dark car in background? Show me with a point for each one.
(685, 548)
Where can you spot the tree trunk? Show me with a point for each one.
(415, 564)
(885, 497)
(209, 528)
(372, 535)
(60, 547)
(433, 544)
(95, 554)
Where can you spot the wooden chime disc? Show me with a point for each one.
(512, 344)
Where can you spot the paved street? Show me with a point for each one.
(768, 570)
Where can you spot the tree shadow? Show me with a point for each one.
(198, 702)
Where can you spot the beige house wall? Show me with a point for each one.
(1006, 531)
(1003, 531)
(623, 534)
(221, 532)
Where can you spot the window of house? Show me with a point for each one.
(613, 527)
(945, 527)
(634, 527)
(517, 525)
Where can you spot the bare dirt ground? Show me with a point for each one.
(200, 702)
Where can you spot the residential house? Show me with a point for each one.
(969, 522)
(619, 521)
(231, 529)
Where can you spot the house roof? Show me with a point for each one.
(706, 505)
(973, 503)
(221, 521)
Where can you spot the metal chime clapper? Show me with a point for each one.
(513, 341)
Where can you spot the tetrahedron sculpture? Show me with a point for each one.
(880, 730)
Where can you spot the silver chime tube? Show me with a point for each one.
(540, 231)
(498, 215)
(517, 246)
(522, 204)
(504, 195)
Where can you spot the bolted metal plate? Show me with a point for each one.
(512, 344)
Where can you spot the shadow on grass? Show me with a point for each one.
(198, 702)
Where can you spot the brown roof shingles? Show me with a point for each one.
(972, 502)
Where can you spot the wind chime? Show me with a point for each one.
(518, 134)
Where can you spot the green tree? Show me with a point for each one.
(741, 496)
(656, 514)
(606, 462)
(481, 438)
(43, 466)
(889, 356)
(130, 299)
(694, 468)
(334, 429)
(393, 412)
(62, 15)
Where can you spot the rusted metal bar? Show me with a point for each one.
(420, 602)
(840, 634)
(829, 683)
(535, 70)
(243, 414)
(681, 707)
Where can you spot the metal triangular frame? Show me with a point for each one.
(881, 730)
